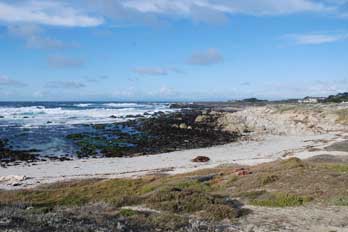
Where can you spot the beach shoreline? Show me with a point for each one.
(244, 153)
(286, 172)
(272, 132)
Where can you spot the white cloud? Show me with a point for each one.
(54, 13)
(151, 71)
(253, 7)
(64, 62)
(95, 79)
(64, 85)
(315, 39)
(207, 11)
(34, 37)
(209, 57)
(161, 92)
(155, 71)
(6, 81)
(89, 13)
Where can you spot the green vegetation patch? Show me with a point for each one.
(277, 199)
(118, 192)
(168, 221)
(192, 197)
(340, 201)
(341, 168)
(128, 212)
(219, 213)
(267, 179)
(292, 163)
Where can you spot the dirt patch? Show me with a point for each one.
(340, 146)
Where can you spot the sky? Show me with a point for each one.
(171, 50)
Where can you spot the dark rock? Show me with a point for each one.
(243, 172)
(63, 158)
(159, 114)
(176, 106)
(113, 116)
(201, 159)
(204, 178)
(157, 134)
(7, 155)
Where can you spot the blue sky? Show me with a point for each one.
(172, 50)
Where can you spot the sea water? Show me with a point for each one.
(44, 125)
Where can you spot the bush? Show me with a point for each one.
(280, 200)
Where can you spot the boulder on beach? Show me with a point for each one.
(12, 180)
(201, 159)
(183, 126)
(201, 118)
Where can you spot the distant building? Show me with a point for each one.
(311, 100)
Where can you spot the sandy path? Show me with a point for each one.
(245, 153)
(297, 219)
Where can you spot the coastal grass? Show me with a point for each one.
(285, 108)
(127, 212)
(117, 192)
(284, 183)
(340, 201)
(342, 116)
(340, 168)
(279, 199)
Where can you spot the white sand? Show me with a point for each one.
(245, 153)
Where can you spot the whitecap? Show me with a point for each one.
(83, 105)
(34, 116)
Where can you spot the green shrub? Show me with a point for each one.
(127, 212)
(268, 179)
(341, 201)
(280, 200)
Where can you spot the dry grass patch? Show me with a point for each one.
(295, 180)
(342, 116)
(281, 183)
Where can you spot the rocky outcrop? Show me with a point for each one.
(282, 120)
(12, 180)
(160, 133)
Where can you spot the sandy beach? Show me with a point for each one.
(302, 143)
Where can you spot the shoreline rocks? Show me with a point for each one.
(201, 159)
(159, 133)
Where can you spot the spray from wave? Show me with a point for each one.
(44, 114)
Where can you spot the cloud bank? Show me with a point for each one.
(315, 38)
(8, 82)
(64, 62)
(91, 13)
(208, 57)
(64, 85)
(52, 13)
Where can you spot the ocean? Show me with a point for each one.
(43, 126)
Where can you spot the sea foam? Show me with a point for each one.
(78, 113)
